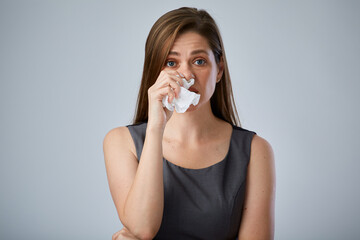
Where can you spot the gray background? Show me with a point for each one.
(70, 71)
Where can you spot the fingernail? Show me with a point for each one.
(180, 83)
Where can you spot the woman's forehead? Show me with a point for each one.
(190, 41)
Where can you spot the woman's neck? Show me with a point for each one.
(192, 126)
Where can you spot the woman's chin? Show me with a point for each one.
(191, 108)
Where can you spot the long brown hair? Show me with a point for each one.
(158, 44)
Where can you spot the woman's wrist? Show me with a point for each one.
(155, 129)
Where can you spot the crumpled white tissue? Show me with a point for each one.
(186, 98)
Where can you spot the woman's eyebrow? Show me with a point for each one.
(199, 51)
(174, 53)
(192, 53)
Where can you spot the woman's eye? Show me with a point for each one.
(200, 62)
(170, 63)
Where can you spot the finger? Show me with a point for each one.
(181, 75)
(160, 93)
(177, 90)
(171, 95)
(175, 85)
(127, 234)
(172, 88)
(167, 84)
(172, 74)
(115, 235)
(173, 79)
(179, 80)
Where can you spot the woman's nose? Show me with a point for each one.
(185, 71)
(187, 75)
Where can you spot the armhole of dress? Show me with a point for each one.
(251, 138)
(132, 133)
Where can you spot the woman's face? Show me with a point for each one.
(191, 56)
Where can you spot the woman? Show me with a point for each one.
(191, 175)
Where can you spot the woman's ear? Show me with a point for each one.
(220, 69)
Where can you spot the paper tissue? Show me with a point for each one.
(186, 97)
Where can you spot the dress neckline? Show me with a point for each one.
(211, 166)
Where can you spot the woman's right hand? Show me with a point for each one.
(123, 234)
(159, 115)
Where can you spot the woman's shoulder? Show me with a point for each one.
(259, 145)
(261, 142)
(120, 137)
(117, 134)
(261, 149)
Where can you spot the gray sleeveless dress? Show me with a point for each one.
(203, 203)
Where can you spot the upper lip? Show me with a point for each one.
(192, 89)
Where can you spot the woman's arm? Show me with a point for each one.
(136, 187)
(258, 214)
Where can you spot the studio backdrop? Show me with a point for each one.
(70, 71)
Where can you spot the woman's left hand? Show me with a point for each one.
(123, 234)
